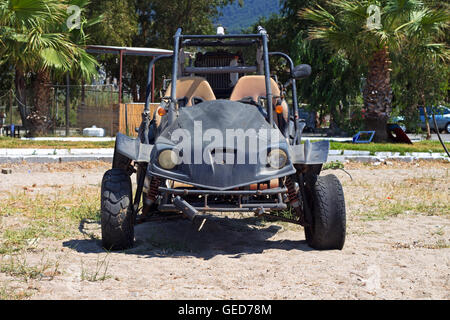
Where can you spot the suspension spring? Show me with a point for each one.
(294, 200)
(292, 193)
(153, 190)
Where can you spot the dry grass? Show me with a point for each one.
(6, 142)
(9, 293)
(18, 266)
(98, 273)
(56, 167)
(439, 244)
(29, 219)
(420, 146)
(421, 193)
(54, 216)
(394, 164)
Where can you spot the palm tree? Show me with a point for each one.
(35, 39)
(77, 63)
(366, 31)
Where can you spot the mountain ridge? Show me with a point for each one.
(235, 18)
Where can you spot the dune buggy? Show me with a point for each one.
(223, 139)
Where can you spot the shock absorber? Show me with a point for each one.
(152, 191)
(294, 199)
(150, 197)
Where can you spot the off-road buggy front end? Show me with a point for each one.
(223, 140)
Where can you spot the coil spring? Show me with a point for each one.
(153, 190)
(292, 194)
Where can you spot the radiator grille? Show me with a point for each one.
(220, 83)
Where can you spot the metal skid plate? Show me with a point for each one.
(204, 204)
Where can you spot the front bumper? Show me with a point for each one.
(237, 200)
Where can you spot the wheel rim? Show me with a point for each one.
(448, 128)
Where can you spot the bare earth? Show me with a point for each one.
(397, 246)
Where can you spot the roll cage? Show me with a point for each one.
(181, 41)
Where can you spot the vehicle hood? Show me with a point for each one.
(209, 126)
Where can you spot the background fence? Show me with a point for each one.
(87, 106)
(122, 118)
(130, 117)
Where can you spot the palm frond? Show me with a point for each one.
(52, 58)
(319, 15)
(355, 10)
(398, 8)
(31, 13)
(78, 3)
(425, 23)
(87, 65)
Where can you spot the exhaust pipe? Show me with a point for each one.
(188, 210)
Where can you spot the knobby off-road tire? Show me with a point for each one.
(327, 204)
(117, 217)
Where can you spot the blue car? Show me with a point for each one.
(400, 120)
(442, 115)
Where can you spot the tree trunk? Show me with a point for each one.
(39, 118)
(378, 95)
(425, 115)
(321, 116)
(20, 86)
(333, 129)
(83, 94)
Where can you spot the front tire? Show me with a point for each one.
(326, 201)
(117, 217)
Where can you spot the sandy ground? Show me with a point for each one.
(237, 257)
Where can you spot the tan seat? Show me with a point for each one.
(189, 88)
(192, 87)
(255, 87)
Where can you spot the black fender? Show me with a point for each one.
(133, 149)
(310, 153)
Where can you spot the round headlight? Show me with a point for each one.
(168, 159)
(277, 158)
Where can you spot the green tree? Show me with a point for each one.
(365, 31)
(335, 82)
(158, 21)
(6, 77)
(79, 65)
(421, 70)
(35, 40)
(151, 24)
(118, 28)
(119, 25)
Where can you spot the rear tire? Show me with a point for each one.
(327, 203)
(117, 217)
